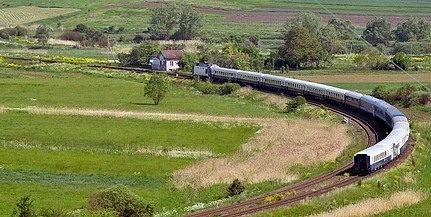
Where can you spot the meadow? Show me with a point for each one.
(69, 132)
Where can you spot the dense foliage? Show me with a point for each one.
(295, 104)
(157, 87)
(300, 48)
(175, 21)
(235, 188)
(120, 199)
(377, 31)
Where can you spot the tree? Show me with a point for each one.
(163, 22)
(377, 31)
(190, 23)
(42, 34)
(157, 87)
(329, 38)
(412, 30)
(300, 47)
(140, 55)
(307, 20)
(188, 60)
(345, 29)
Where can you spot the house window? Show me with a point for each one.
(172, 63)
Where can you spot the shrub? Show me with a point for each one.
(401, 60)
(403, 93)
(72, 36)
(420, 98)
(228, 88)
(24, 208)
(235, 188)
(381, 92)
(296, 103)
(120, 199)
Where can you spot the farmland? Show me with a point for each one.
(27, 14)
(69, 132)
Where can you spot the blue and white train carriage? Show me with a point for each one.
(369, 159)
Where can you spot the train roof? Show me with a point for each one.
(392, 111)
(354, 94)
(273, 77)
(337, 90)
(369, 98)
(374, 150)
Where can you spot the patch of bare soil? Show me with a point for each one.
(359, 21)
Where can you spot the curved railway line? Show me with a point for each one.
(313, 187)
(309, 188)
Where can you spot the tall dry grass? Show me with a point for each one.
(376, 205)
(269, 154)
(267, 99)
(136, 114)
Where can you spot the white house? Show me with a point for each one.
(166, 60)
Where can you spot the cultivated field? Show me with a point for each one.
(11, 17)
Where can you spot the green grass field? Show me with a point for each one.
(67, 158)
(61, 160)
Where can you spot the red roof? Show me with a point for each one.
(172, 54)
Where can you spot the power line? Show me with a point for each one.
(366, 42)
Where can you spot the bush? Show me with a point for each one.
(294, 104)
(210, 88)
(235, 188)
(401, 60)
(420, 98)
(228, 88)
(381, 92)
(120, 199)
(24, 208)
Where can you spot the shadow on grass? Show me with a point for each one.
(143, 103)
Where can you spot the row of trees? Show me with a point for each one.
(174, 21)
(379, 31)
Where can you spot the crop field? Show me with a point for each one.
(27, 14)
(220, 16)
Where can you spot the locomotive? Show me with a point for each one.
(367, 160)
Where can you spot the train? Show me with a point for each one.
(364, 161)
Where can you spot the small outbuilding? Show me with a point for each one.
(166, 60)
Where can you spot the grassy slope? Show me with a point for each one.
(59, 158)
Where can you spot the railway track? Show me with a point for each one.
(313, 187)
(292, 194)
